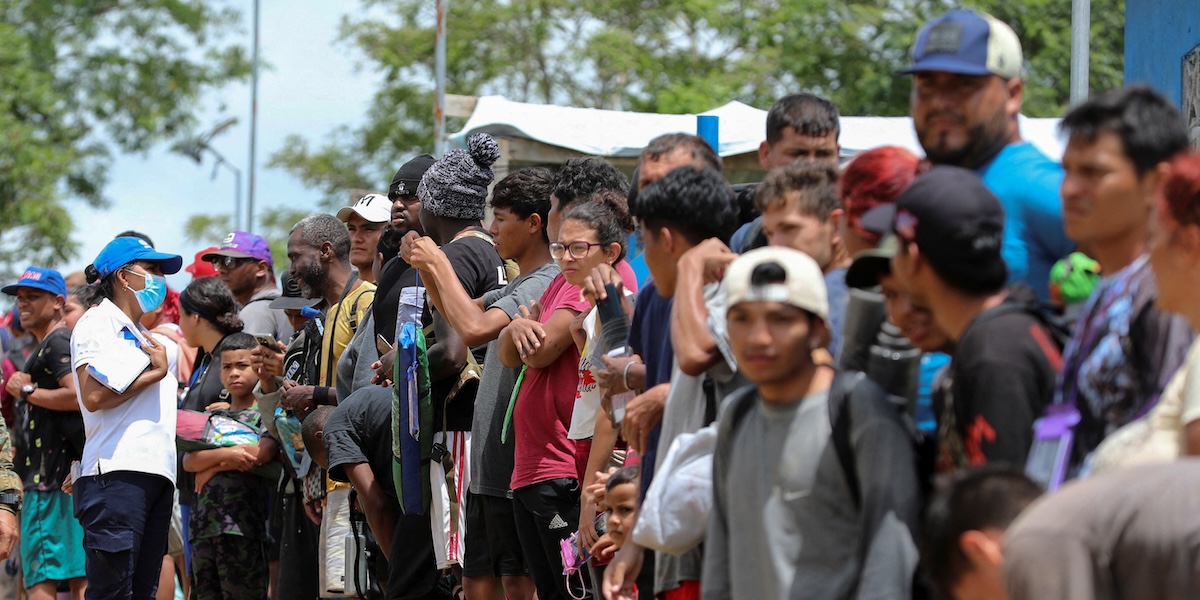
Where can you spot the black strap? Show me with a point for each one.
(843, 386)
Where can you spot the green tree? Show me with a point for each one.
(273, 224)
(657, 56)
(83, 80)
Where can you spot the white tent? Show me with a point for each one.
(539, 133)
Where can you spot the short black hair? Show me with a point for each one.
(1151, 129)
(581, 177)
(607, 212)
(699, 203)
(631, 474)
(312, 426)
(812, 185)
(526, 192)
(702, 153)
(235, 341)
(389, 242)
(988, 497)
(810, 115)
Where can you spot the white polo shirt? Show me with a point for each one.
(138, 435)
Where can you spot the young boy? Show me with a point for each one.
(228, 521)
(621, 496)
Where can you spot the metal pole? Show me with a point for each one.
(237, 196)
(439, 75)
(253, 121)
(1081, 21)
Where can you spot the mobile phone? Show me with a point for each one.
(382, 344)
(266, 339)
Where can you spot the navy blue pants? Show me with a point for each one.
(125, 517)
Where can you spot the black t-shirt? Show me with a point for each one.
(47, 440)
(387, 295)
(360, 432)
(480, 270)
(1002, 378)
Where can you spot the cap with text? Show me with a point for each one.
(243, 244)
(375, 208)
(967, 43)
(802, 286)
(47, 280)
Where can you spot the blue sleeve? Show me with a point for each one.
(1043, 212)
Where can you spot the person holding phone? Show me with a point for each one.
(125, 491)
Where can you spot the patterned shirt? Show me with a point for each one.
(1121, 355)
(233, 502)
(47, 440)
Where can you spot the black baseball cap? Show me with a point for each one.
(292, 296)
(956, 222)
(408, 177)
(869, 265)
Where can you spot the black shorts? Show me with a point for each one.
(491, 546)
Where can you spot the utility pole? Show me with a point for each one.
(253, 121)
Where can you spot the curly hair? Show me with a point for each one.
(699, 203)
(813, 186)
(581, 177)
(526, 192)
(320, 228)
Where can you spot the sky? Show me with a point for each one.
(312, 87)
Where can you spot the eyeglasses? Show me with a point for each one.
(579, 250)
(228, 262)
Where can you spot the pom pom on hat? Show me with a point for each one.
(455, 186)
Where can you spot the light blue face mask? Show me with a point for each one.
(153, 294)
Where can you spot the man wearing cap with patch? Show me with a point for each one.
(814, 487)
(244, 263)
(1005, 362)
(365, 221)
(48, 435)
(966, 100)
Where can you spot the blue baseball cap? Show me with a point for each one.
(124, 250)
(967, 43)
(47, 280)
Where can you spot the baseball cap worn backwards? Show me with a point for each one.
(967, 43)
(292, 296)
(243, 244)
(956, 222)
(803, 284)
(47, 280)
(124, 250)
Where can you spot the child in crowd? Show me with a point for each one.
(228, 522)
(621, 497)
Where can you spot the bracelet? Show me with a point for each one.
(9, 509)
(625, 374)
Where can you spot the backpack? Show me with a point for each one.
(849, 388)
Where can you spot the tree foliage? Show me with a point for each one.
(84, 80)
(672, 57)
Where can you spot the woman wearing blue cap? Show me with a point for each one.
(124, 492)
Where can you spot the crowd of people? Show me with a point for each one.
(969, 375)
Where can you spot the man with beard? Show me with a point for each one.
(966, 99)
(319, 249)
(243, 261)
(406, 217)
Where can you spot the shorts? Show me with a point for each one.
(125, 516)
(491, 545)
(448, 540)
(51, 538)
(175, 536)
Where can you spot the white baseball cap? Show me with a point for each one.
(803, 284)
(375, 208)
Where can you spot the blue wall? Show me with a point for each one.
(1158, 33)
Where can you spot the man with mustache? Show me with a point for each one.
(966, 98)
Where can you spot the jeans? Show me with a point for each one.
(125, 517)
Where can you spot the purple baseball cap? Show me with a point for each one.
(243, 244)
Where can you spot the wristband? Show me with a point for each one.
(320, 395)
(625, 374)
(8, 509)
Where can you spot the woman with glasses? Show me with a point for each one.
(545, 480)
(124, 492)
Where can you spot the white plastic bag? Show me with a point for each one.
(673, 517)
